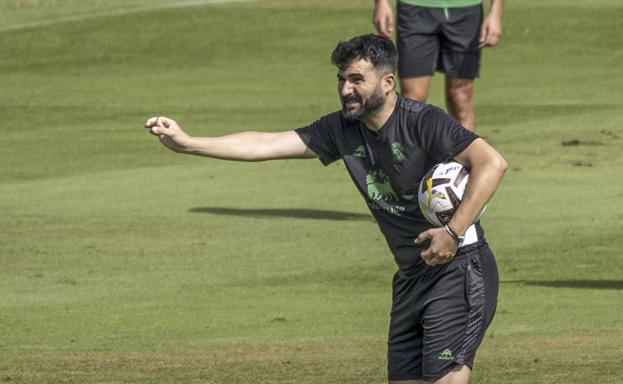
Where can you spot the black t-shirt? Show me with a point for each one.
(387, 166)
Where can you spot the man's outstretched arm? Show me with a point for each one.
(241, 146)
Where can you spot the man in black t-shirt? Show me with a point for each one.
(445, 289)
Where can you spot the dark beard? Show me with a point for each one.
(373, 103)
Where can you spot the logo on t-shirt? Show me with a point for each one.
(398, 151)
(379, 187)
(381, 193)
(360, 152)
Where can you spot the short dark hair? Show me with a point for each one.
(378, 50)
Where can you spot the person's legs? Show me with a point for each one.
(459, 101)
(429, 325)
(417, 42)
(458, 375)
(460, 60)
(415, 88)
(439, 319)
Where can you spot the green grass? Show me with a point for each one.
(123, 262)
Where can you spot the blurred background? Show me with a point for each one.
(123, 262)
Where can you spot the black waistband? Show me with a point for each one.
(420, 269)
(471, 248)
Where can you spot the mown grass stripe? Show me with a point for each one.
(123, 12)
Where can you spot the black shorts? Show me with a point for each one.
(442, 39)
(439, 318)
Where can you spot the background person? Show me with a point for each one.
(445, 36)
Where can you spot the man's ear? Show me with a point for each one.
(388, 82)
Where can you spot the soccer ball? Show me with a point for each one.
(441, 191)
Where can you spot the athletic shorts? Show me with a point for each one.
(438, 39)
(439, 318)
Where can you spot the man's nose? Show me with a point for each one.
(347, 89)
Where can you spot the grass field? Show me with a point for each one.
(121, 262)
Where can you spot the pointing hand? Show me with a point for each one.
(169, 133)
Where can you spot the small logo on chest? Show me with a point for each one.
(398, 152)
(360, 152)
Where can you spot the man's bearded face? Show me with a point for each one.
(355, 107)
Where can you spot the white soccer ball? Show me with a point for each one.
(441, 191)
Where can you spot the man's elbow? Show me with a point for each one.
(499, 163)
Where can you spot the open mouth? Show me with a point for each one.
(351, 102)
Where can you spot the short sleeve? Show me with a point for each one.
(322, 137)
(441, 136)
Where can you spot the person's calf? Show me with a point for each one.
(459, 101)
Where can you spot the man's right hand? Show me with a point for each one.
(442, 246)
(169, 133)
(383, 18)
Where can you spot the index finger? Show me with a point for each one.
(484, 42)
(150, 122)
(379, 24)
(423, 237)
(389, 26)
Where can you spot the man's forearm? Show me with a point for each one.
(483, 182)
(250, 146)
(496, 8)
(236, 146)
(487, 167)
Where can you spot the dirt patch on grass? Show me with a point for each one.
(577, 142)
(581, 163)
(241, 363)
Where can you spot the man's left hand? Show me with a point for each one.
(442, 246)
(490, 32)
